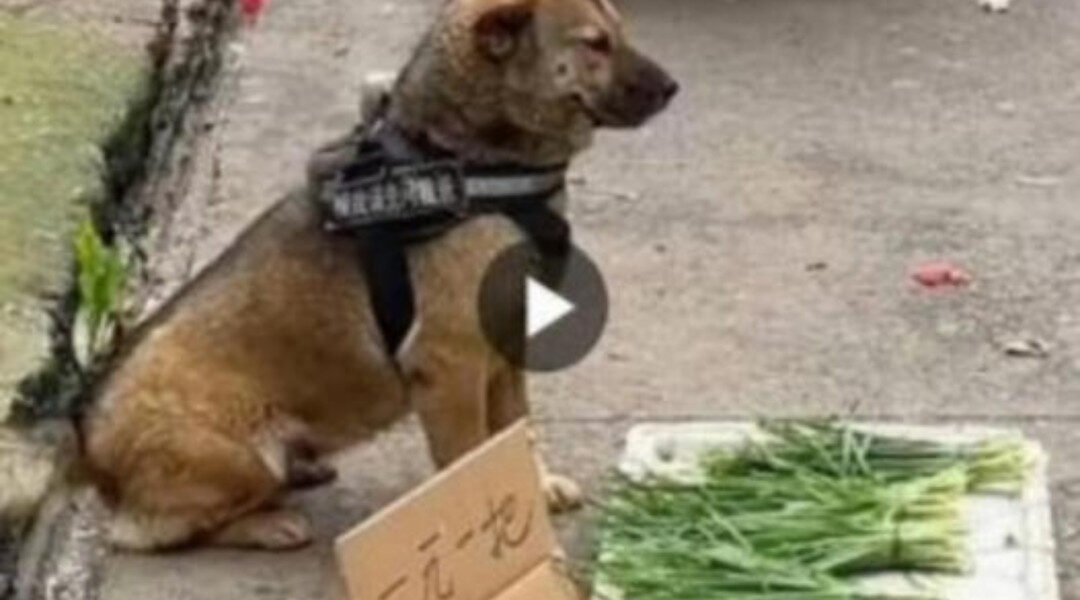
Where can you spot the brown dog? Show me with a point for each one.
(272, 357)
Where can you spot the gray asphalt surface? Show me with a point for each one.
(757, 239)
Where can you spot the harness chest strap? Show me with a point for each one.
(388, 198)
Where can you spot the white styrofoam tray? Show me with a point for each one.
(1011, 541)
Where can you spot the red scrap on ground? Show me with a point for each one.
(940, 274)
(252, 9)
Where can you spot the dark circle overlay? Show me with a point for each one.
(503, 311)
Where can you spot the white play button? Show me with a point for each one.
(542, 314)
(542, 307)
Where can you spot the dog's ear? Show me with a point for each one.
(500, 27)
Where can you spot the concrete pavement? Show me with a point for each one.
(757, 238)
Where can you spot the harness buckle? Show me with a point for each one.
(397, 193)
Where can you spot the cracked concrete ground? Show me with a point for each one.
(757, 238)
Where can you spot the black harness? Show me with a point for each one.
(396, 192)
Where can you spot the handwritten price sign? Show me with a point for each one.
(475, 530)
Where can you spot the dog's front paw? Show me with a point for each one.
(995, 6)
(562, 493)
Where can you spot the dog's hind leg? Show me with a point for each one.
(198, 485)
(281, 529)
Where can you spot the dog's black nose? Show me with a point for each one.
(670, 90)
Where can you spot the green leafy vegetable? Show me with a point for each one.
(102, 277)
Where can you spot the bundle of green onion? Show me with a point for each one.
(995, 464)
(790, 518)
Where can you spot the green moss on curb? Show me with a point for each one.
(64, 96)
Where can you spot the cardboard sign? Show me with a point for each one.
(477, 531)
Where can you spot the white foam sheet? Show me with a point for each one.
(1011, 540)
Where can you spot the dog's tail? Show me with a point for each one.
(35, 459)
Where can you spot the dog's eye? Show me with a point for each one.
(600, 43)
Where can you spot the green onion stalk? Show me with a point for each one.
(791, 518)
(828, 527)
(994, 465)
